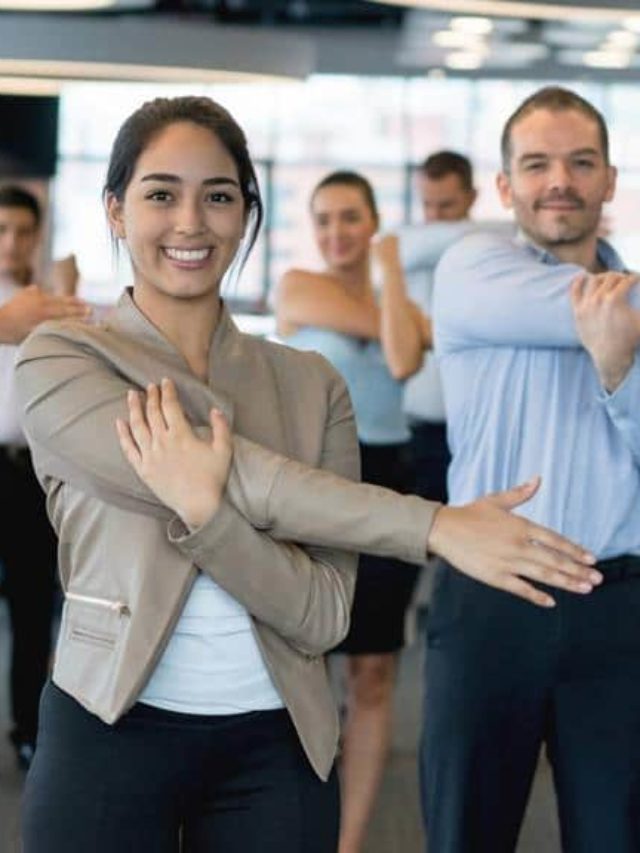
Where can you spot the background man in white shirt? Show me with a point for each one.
(28, 560)
(445, 185)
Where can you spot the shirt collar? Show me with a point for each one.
(606, 254)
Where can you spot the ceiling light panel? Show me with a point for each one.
(551, 10)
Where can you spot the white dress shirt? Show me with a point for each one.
(10, 430)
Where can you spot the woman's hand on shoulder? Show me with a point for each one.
(486, 541)
(187, 473)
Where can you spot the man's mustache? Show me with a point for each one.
(553, 198)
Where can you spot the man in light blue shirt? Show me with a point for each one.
(536, 344)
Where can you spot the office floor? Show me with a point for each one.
(396, 826)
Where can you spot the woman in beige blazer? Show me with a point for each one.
(206, 573)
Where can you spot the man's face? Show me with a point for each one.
(19, 234)
(558, 179)
(445, 199)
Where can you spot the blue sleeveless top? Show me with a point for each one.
(376, 396)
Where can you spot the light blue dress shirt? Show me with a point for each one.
(523, 397)
(421, 247)
(375, 395)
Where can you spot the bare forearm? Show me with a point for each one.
(400, 330)
(315, 299)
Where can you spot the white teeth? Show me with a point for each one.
(187, 254)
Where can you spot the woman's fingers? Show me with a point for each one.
(511, 498)
(160, 411)
(137, 421)
(172, 410)
(153, 410)
(221, 434)
(565, 547)
(553, 569)
(487, 542)
(517, 586)
(128, 445)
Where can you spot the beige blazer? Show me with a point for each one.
(127, 563)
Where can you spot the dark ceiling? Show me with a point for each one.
(321, 13)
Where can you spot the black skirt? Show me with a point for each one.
(384, 586)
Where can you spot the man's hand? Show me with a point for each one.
(187, 473)
(64, 276)
(32, 306)
(486, 541)
(608, 326)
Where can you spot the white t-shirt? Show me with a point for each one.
(212, 663)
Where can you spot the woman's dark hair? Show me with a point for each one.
(153, 117)
(350, 179)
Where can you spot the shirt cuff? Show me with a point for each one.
(622, 404)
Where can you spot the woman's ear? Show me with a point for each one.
(115, 216)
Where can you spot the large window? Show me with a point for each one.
(297, 132)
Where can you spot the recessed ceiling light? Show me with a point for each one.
(606, 59)
(463, 60)
(622, 38)
(472, 24)
(451, 38)
(518, 9)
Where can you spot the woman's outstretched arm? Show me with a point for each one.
(71, 398)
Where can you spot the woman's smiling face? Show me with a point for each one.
(182, 215)
(343, 225)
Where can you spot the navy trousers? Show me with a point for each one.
(504, 678)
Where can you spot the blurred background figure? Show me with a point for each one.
(446, 189)
(28, 559)
(375, 341)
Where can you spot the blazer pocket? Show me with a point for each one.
(88, 646)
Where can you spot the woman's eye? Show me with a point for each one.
(159, 195)
(219, 197)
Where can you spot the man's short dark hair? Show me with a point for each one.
(555, 99)
(14, 196)
(442, 163)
